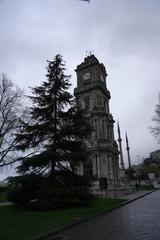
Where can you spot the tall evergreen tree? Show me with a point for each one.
(56, 129)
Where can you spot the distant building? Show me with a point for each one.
(154, 158)
(93, 97)
(155, 155)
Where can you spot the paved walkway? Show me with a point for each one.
(135, 221)
(135, 195)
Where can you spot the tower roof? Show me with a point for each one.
(91, 60)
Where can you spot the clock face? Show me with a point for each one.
(102, 78)
(86, 76)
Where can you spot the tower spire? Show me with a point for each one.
(120, 147)
(128, 153)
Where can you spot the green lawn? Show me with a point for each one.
(16, 224)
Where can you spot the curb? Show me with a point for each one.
(54, 232)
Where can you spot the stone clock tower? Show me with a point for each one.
(93, 97)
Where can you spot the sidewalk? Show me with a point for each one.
(136, 195)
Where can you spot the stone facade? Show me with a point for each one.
(93, 97)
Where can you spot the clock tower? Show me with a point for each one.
(93, 97)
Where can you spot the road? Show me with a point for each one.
(139, 220)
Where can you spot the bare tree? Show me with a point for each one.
(10, 110)
(155, 130)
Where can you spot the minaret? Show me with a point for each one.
(120, 147)
(128, 153)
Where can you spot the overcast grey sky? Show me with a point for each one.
(124, 35)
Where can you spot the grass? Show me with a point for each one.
(3, 197)
(18, 224)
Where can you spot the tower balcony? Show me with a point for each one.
(90, 87)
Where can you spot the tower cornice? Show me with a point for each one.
(92, 86)
(96, 113)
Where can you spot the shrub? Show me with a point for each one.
(3, 189)
(39, 192)
(22, 188)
